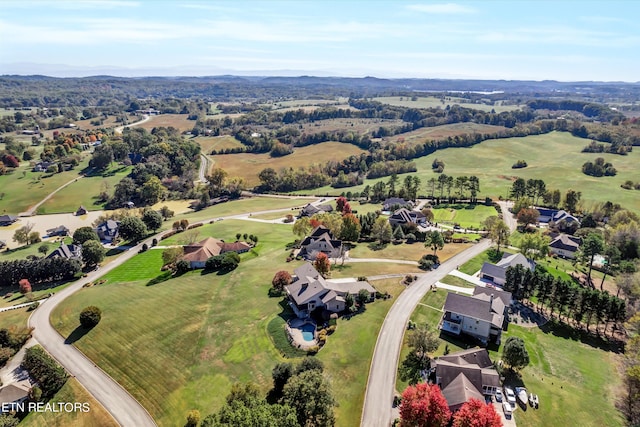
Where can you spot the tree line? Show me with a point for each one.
(39, 270)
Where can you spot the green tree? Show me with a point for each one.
(21, 235)
(230, 260)
(280, 375)
(90, 316)
(497, 230)
(592, 245)
(381, 230)
(518, 188)
(534, 246)
(43, 249)
(571, 200)
(350, 230)
(423, 341)
(93, 253)
(193, 418)
(152, 219)
(302, 227)
(171, 255)
(435, 241)
(309, 393)
(152, 191)
(515, 354)
(84, 234)
(132, 229)
(398, 234)
(102, 157)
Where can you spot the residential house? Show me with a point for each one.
(198, 253)
(128, 205)
(310, 291)
(67, 251)
(42, 166)
(7, 219)
(311, 210)
(553, 215)
(13, 396)
(405, 216)
(496, 273)
(565, 246)
(60, 230)
(2, 244)
(481, 315)
(108, 231)
(320, 240)
(464, 375)
(81, 211)
(393, 203)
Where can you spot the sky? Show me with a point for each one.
(514, 40)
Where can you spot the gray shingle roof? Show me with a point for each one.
(468, 306)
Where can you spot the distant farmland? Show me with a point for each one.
(178, 121)
(248, 165)
(435, 102)
(444, 131)
(208, 143)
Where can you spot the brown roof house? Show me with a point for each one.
(465, 374)
(565, 246)
(198, 253)
(320, 240)
(481, 315)
(310, 291)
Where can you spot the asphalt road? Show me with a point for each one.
(204, 169)
(377, 408)
(507, 216)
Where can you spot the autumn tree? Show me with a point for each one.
(171, 255)
(341, 202)
(475, 413)
(424, 405)
(322, 263)
(302, 227)
(350, 230)
(280, 280)
(527, 216)
(25, 286)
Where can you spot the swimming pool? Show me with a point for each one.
(307, 331)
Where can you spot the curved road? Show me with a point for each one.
(145, 118)
(377, 408)
(116, 400)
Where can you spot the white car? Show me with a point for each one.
(506, 408)
(498, 395)
(510, 395)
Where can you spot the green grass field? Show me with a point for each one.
(14, 318)
(567, 374)
(249, 165)
(85, 191)
(404, 251)
(434, 102)
(444, 131)
(457, 281)
(467, 216)
(187, 339)
(209, 143)
(24, 188)
(72, 391)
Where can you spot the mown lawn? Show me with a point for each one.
(208, 143)
(14, 318)
(72, 391)
(85, 191)
(405, 251)
(467, 216)
(181, 343)
(568, 375)
(457, 281)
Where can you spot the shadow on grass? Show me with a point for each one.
(275, 329)
(77, 333)
(375, 246)
(567, 332)
(161, 278)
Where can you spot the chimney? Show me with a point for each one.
(491, 300)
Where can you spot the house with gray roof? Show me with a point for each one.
(405, 216)
(311, 210)
(464, 375)
(13, 396)
(7, 219)
(67, 251)
(565, 246)
(108, 231)
(310, 291)
(496, 273)
(60, 230)
(320, 240)
(396, 203)
(554, 215)
(481, 315)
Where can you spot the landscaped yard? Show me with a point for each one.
(466, 216)
(72, 391)
(405, 251)
(457, 281)
(14, 318)
(180, 344)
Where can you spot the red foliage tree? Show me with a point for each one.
(314, 222)
(476, 413)
(322, 263)
(25, 286)
(424, 405)
(281, 279)
(346, 209)
(340, 203)
(10, 161)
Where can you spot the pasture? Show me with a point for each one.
(437, 102)
(208, 143)
(178, 121)
(438, 132)
(249, 165)
(215, 332)
(361, 126)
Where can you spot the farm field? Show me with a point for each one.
(72, 391)
(24, 188)
(567, 374)
(356, 125)
(555, 158)
(435, 102)
(178, 121)
(215, 332)
(109, 122)
(444, 131)
(208, 143)
(85, 191)
(248, 165)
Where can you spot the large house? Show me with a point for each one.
(311, 210)
(481, 315)
(13, 396)
(497, 273)
(198, 253)
(464, 375)
(405, 216)
(565, 246)
(310, 291)
(7, 219)
(553, 215)
(108, 231)
(67, 251)
(60, 230)
(320, 240)
(396, 203)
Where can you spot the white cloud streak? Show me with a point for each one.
(442, 8)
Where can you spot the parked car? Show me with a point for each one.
(510, 395)
(506, 407)
(498, 395)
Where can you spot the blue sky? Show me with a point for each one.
(538, 40)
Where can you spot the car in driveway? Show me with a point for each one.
(498, 395)
(510, 396)
(506, 408)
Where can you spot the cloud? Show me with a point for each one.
(73, 5)
(441, 8)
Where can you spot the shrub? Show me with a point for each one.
(90, 316)
(33, 306)
(25, 286)
(519, 164)
(182, 266)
